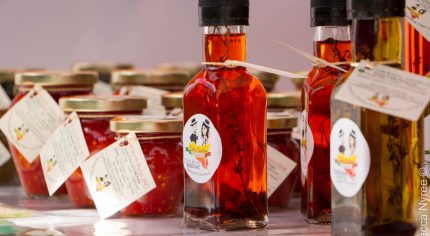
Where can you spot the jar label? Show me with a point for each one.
(202, 148)
(279, 167)
(417, 13)
(154, 96)
(31, 121)
(117, 175)
(427, 145)
(306, 143)
(63, 153)
(4, 154)
(349, 157)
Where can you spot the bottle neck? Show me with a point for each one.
(333, 43)
(224, 43)
(377, 39)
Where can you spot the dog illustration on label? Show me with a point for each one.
(381, 100)
(102, 183)
(348, 162)
(52, 162)
(416, 11)
(20, 132)
(200, 152)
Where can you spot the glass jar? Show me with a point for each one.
(95, 112)
(58, 84)
(160, 139)
(279, 129)
(169, 80)
(104, 70)
(172, 102)
(267, 79)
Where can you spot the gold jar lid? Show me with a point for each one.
(172, 100)
(52, 78)
(298, 82)
(8, 75)
(191, 67)
(94, 103)
(101, 67)
(284, 100)
(150, 77)
(146, 124)
(267, 79)
(281, 120)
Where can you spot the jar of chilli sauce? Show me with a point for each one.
(58, 84)
(160, 139)
(95, 112)
(279, 129)
(172, 102)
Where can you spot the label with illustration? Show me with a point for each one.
(386, 90)
(118, 175)
(63, 153)
(417, 13)
(279, 167)
(31, 121)
(349, 157)
(427, 144)
(202, 148)
(306, 143)
(153, 96)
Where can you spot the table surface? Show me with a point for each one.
(56, 216)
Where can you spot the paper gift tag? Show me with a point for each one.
(4, 154)
(417, 13)
(118, 175)
(387, 90)
(153, 95)
(63, 153)
(279, 168)
(4, 99)
(31, 121)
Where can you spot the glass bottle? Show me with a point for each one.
(417, 48)
(230, 103)
(332, 42)
(386, 203)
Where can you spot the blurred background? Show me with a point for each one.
(55, 34)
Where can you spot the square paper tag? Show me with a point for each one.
(153, 95)
(63, 153)
(4, 154)
(387, 90)
(279, 168)
(417, 13)
(118, 175)
(31, 121)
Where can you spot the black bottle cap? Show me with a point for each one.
(373, 9)
(223, 12)
(328, 12)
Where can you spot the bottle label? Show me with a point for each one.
(417, 13)
(427, 145)
(306, 143)
(63, 153)
(154, 96)
(117, 175)
(349, 157)
(386, 90)
(279, 167)
(31, 121)
(202, 148)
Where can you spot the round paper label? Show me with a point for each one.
(306, 143)
(349, 157)
(202, 148)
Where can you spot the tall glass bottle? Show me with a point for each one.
(225, 129)
(332, 42)
(386, 201)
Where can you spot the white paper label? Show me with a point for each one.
(306, 143)
(202, 148)
(118, 175)
(417, 13)
(4, 99)
(427, 145)
(279, 168)
(31, 121)
(103, 88)
(4, 154)
(349, 157)
(387, 90)
(63, 153)
(153, 96)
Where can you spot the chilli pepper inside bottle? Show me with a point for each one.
(58, 84)
(332, 43)
(95, 113)
(225, 129)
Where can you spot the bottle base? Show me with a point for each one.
(323, 219)
(226, 225)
